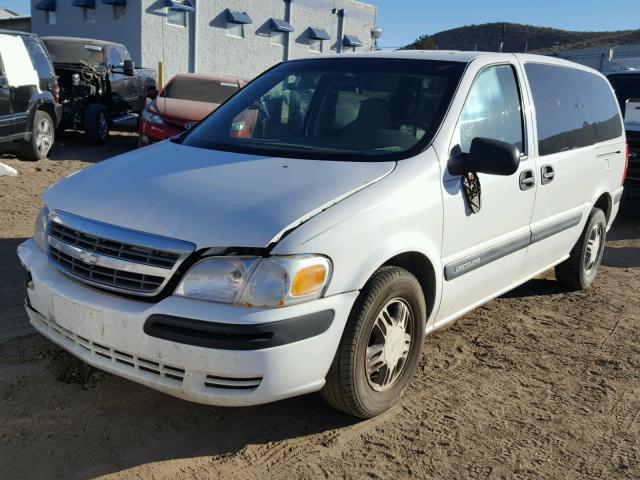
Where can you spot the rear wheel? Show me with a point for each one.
(96, 124)
(581, 268)
(42, 137)
(380, 347)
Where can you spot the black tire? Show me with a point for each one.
(581, 268)
(96, 124)
(42, 138)
(348, 385)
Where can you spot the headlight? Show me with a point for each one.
(40, 234)
(257, 282)
(149, 117)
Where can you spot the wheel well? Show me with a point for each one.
(420, 266)
(47, 107)
(605, 203)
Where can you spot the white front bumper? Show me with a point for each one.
(106, 331)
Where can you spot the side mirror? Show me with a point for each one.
(489, 156)
(129, 68)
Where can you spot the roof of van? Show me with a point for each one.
(464, 56)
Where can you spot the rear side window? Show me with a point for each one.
(574, 108)
(40, 58)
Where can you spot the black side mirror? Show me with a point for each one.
(489, 156)
(129, 68)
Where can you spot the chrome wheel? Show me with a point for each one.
(594, 249)
(389, 345)
(44, 136)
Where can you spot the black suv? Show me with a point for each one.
(29, 109)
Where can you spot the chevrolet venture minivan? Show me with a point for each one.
(373, 199)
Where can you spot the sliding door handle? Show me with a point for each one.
(547, 174)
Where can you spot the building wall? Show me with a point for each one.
(70, 23)
(624, 56)
(150, 39)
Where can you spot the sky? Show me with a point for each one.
(403, 21)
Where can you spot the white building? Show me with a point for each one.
(225, 37)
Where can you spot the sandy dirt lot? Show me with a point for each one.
(541, 383)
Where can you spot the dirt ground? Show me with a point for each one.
(541, 383)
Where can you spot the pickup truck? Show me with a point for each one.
(99, 84)
(627, 88)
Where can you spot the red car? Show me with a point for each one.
(182, 103)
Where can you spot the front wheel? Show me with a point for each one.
(380, 347)
(580, 269)
(42, 137)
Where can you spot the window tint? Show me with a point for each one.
(39, 58)
(626, 86)
(492, 109)
(574, 108)
(199, 89)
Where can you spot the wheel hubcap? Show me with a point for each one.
(389, 345)
(594, 246)
(44, 137)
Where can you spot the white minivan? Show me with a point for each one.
(308, 234)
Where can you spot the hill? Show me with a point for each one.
(487, 37)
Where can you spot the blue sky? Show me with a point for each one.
(404, 20)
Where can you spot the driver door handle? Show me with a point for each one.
(527, 180)
(546, 174)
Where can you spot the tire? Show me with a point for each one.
(42, 137)
(96, 124)
(581, 268)
(348, 386)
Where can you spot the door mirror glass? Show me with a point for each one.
(493, 157)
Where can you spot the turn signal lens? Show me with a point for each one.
(308, 280)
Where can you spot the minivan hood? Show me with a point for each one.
(210, 198)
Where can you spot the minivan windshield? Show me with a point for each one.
(357, 109)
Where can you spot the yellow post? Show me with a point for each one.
(160, 75)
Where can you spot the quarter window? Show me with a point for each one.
(492, 109)
(574, 108)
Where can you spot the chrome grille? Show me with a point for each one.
(112, 257)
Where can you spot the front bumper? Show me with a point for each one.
(107, 331)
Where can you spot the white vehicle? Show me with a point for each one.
(306, 235)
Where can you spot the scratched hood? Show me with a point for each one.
(207, 197)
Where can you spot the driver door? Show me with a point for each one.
(483, 253)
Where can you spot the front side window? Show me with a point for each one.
(89, 15)
(574, 108)
(177, 18)
(352, 109)
(235, 30)
(492, 109)
(113, 58)
(118, 12)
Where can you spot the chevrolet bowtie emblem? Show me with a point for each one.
(88, 257)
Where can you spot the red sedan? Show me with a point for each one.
(182, 103)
